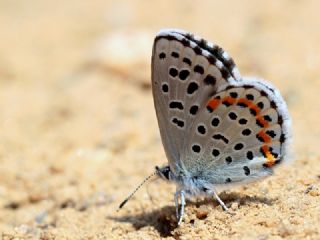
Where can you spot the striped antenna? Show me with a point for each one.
(140, 185)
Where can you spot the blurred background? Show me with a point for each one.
(78, 129)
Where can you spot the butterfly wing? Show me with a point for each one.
(242, 132)
(214, 124)
(186, 72)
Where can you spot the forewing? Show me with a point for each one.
(186, 72)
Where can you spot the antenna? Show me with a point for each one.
(140, 185)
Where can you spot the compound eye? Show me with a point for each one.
(164, 172)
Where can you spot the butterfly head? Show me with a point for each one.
(164, 172)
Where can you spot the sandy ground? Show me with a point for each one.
(79, 132)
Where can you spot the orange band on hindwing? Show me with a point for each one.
(255, 110)
(271, 160)
(263, 137)
(228, 101)
(213, 103)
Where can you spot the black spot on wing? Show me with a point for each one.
(196, 148)
(225, 73)
(250, 155)
(165, 88)
(175, 54)
(210, 80)
(233, 94)
(184, 74)
(243, 121)
(194, 110)
(267, 118)
(242, 104)
(176, 105)
(192, 87)
(246, 170)
(215, 122)
(260, 105)
(246, 132)
(273, 104)
(212, 60)
(187, 61)
(162, 55)
(250, 97)
(201, 129)
(271, 133)
(178, 122)
(253, 112)
(221, 137)
(173, 72)
(228, 180)
(232, 115)
(198, 69)
(197, 50)
(215, 152)
(228, 160)
(238, 146)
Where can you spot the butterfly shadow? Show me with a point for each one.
(243, 199)
(164, 220)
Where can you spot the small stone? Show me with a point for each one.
(271, 223)
(305, 181)
(267, 222)
(36, 197)
(284, 230)
(202, 213)
(235, 206)
(314, 192)
(295, 221)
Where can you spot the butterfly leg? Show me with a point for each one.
(176, 201)
(180, 213)
(183, 203)
(219, 200)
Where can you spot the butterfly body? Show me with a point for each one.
(191, 185)
(216, 126)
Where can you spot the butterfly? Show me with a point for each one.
(217, 127)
